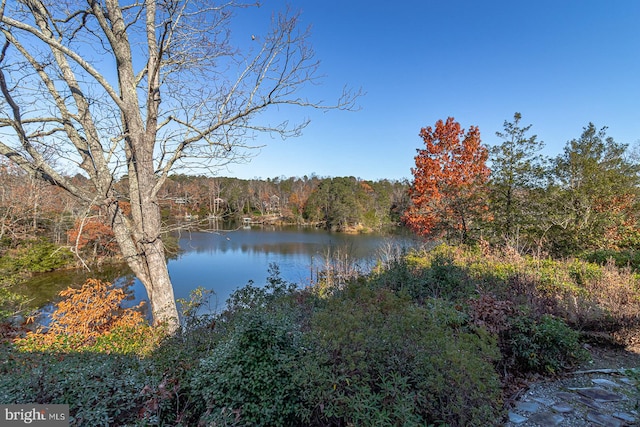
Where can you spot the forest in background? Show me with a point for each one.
(338, 203)
(32, 210)
(583, 200)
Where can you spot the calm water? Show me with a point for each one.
(226, 261)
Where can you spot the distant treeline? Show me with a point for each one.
(586, 199)
(31, 209)
(341, 204)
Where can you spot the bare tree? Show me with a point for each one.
(141, 89)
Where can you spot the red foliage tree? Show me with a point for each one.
(447, 193)
(95, 234)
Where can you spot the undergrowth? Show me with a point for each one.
(426, 340)
(92, 319)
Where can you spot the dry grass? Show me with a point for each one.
(590, 297)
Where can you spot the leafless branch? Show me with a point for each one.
(143, 89)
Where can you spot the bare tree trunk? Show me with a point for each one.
(99, 71)
(146, 257)
(156, 281)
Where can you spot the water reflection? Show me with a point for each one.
(225, 261)
(44, 288)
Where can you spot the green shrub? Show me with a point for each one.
(11, 303)
(247, 379)
(546, 345)
(99, 389)
(375, 357)
(270, 296)
(621, 258)
(37, 257)
(437, 276)
(584, 272)
(401, 275)
(169, 397)
(183, 359)
(449, 281)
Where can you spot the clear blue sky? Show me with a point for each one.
(560, 63)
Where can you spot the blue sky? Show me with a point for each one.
(561, 64)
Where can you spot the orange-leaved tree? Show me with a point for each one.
(94, 235)
(447, 192)
(92, 318)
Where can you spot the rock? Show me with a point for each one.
(546, 419)
(626, 417)
(528, 406)
(516, 418)
(605, 382)
(599, 394)
(595, 398)
(588, 402)
(627, 381)
(603, 419)
(545, 401)
(565, 396)
(562, 408)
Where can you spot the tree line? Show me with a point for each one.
(584, 199)
(31, 209)
(335, 203)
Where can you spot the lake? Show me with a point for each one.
(224, 261)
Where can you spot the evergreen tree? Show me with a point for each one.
(517, 169)
(595, 192)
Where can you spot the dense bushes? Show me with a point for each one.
(35, 256)
(621, 258)
(587, 296)
(378, 356)
(248, 377)
(425, 276)
(101, 389)
(364, 354)
(546, 345)
(423, 341)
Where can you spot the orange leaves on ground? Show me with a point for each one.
(449, 177)
(86, 314)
